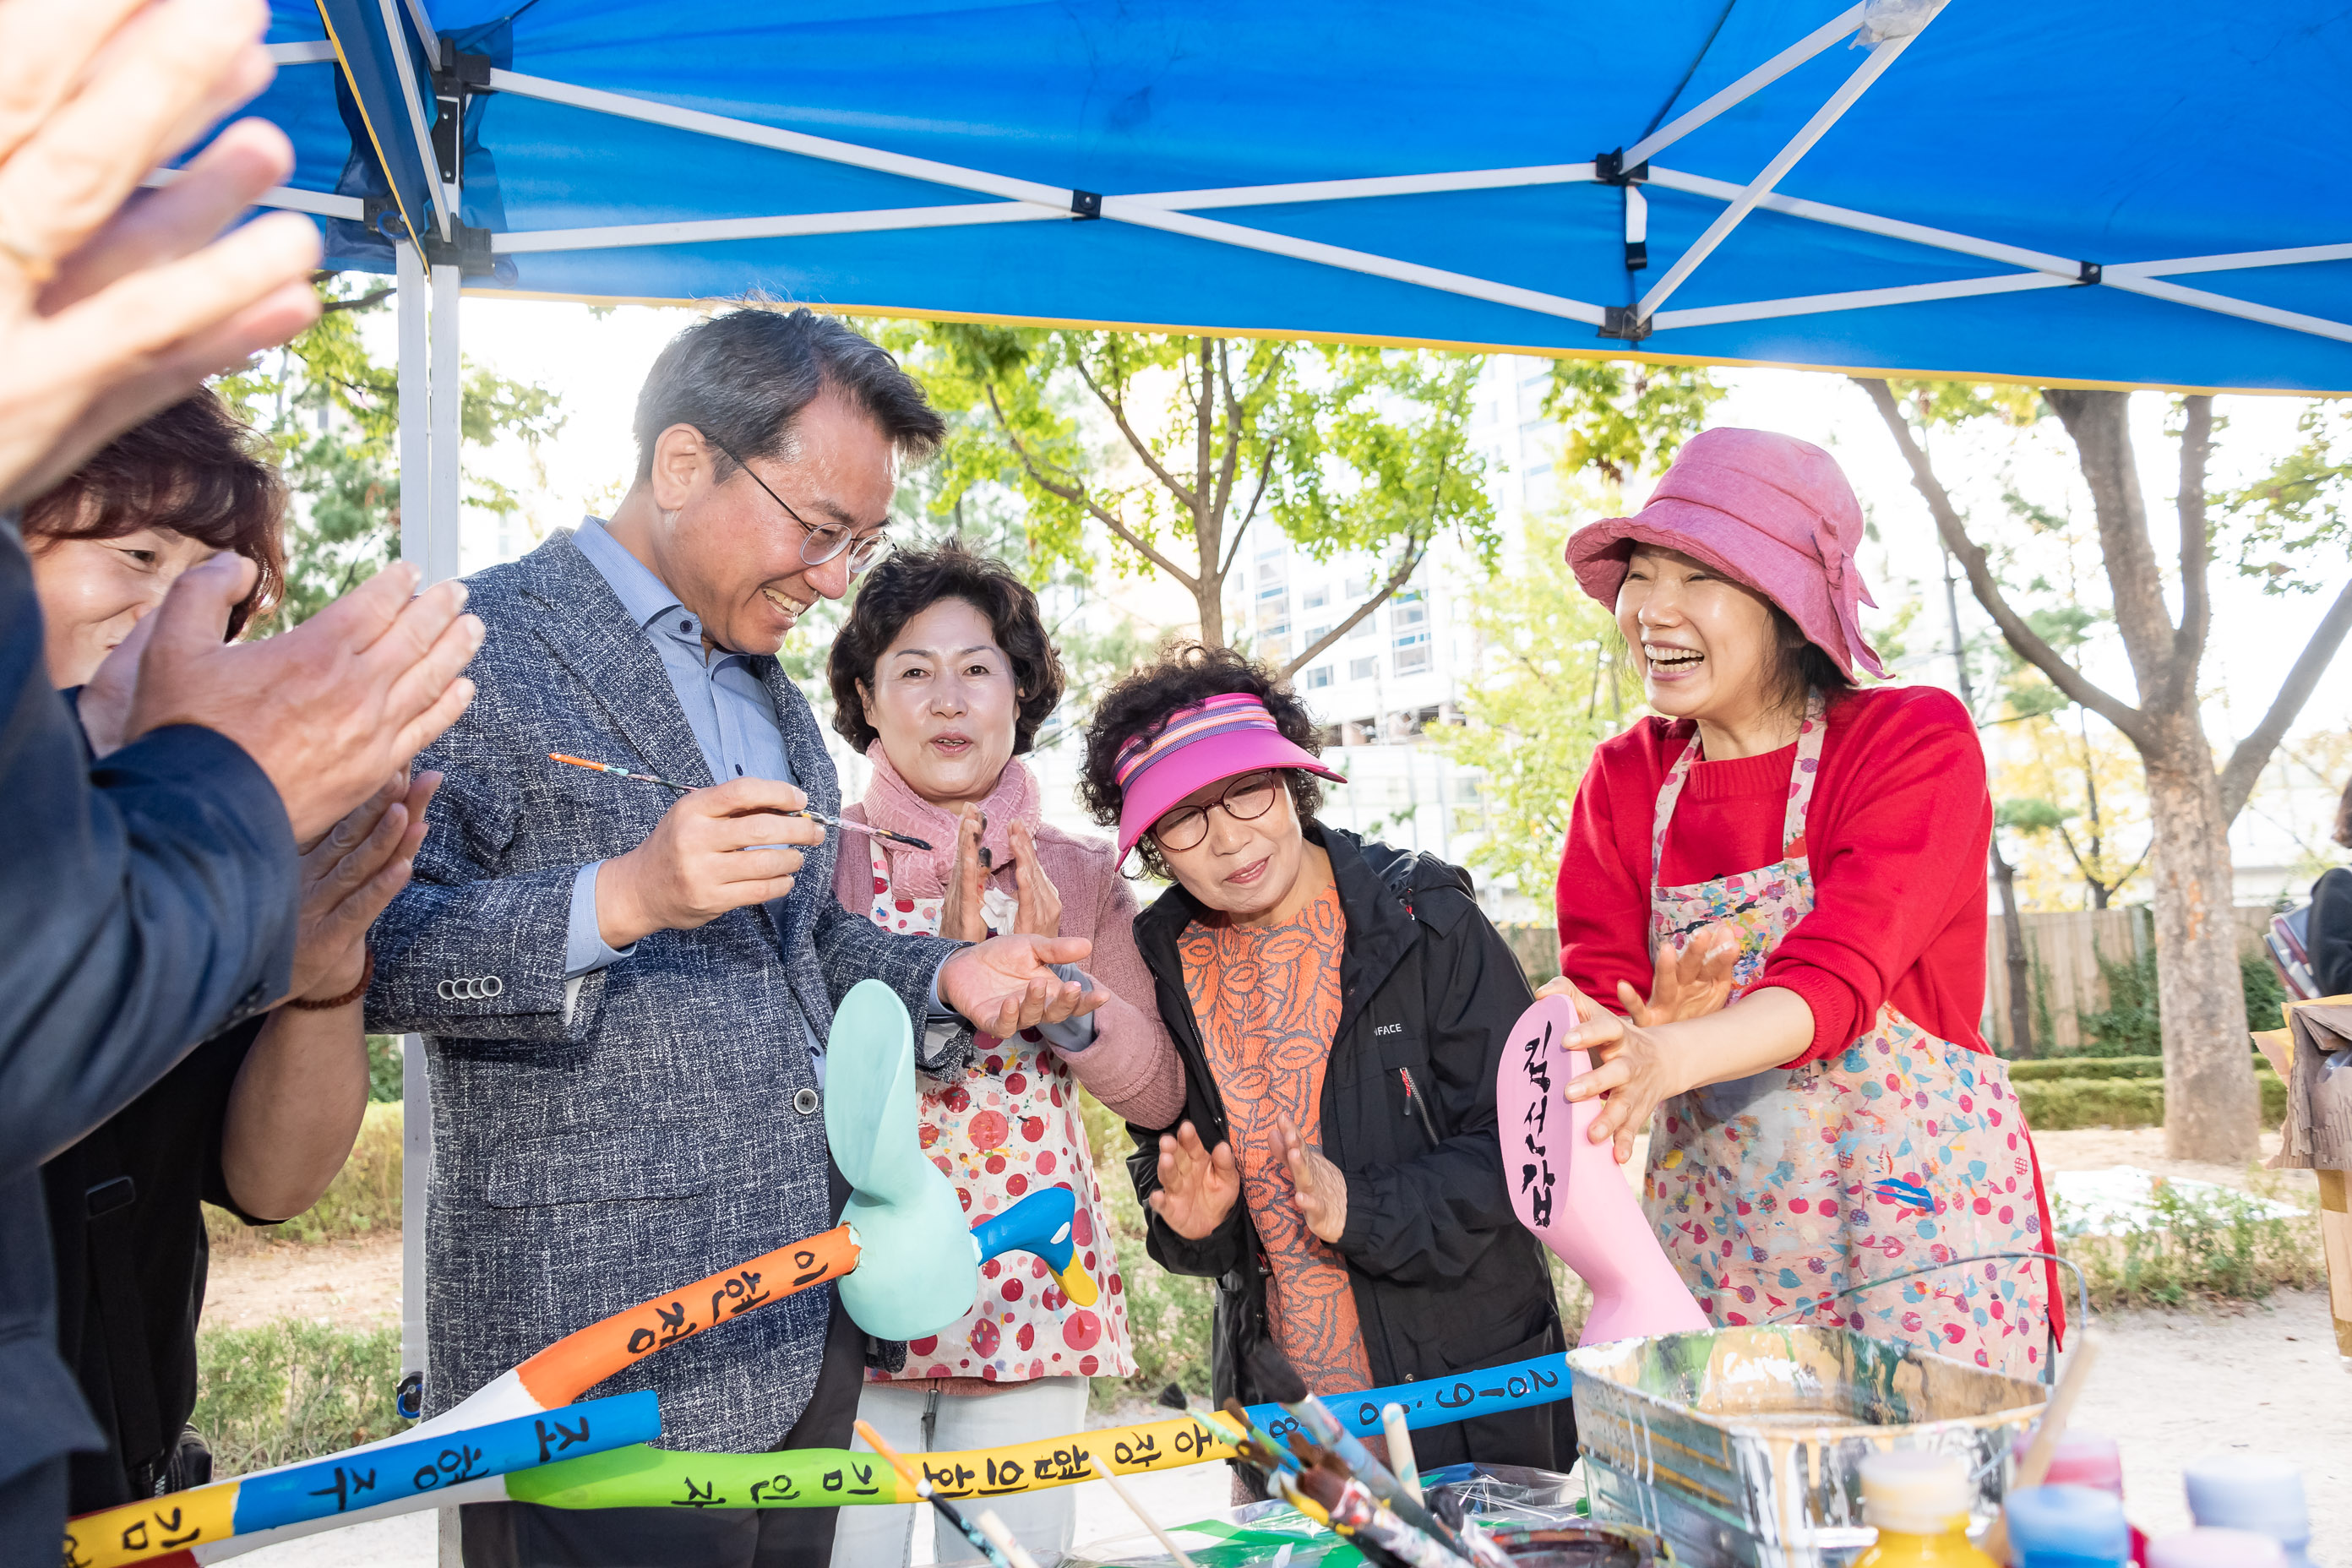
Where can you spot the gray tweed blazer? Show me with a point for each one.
(581, 1165)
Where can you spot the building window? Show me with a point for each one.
(1407, 610)
(1317, 634)
(1317, 598)
(1359, 589)
(1363, 669)
(1412, 660)
(1319, 678)
(1363, 628)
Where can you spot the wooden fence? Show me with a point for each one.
(2066, 944)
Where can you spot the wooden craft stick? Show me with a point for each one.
(1135, 1506)
(2036, 1465)
(1400, 1459)
(993, 1528)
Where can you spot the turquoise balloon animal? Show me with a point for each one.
(917, 1270)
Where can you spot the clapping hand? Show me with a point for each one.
(1319, 1187)
(349, 876)
(1690, 982)
(962, 918)
(1198, 1186)
(1007, 984)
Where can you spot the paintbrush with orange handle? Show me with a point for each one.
(620, 773)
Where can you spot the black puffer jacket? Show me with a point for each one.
(1445, 1280)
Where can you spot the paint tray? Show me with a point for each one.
(1745, 1445)
(1536, 1515)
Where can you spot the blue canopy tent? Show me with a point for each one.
(2157, 195)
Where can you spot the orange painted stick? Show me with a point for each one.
(580, 1360)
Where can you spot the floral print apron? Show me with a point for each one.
(1904, 1150)
(1008, 1126)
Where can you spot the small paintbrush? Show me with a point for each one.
(908, 839)
(923, 1490)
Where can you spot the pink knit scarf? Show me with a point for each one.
(891, 802)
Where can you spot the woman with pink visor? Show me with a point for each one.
(1842, 1121)
(1341, 1007)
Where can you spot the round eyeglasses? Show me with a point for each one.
(821, 543)
(1246, 799)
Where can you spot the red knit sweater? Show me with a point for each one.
(1896, 833)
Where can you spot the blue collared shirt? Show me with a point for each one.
(733, 720)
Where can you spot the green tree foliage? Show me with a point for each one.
(1551, 692)
(1622, 417)
(332, 412)
(2296, 512)
(1173, 445)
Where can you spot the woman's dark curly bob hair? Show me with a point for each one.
(1143, 702)
(909, 582)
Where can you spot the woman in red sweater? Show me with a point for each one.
(1841, 1121)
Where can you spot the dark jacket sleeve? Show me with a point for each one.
(152, 899)
(1428, 1219)
(2327, 933)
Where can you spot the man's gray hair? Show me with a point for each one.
(743, 379)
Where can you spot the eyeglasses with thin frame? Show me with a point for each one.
(1246, 799)
(821, 543)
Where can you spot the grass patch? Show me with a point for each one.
(2200, 1246)
(292, 1390)
(363, 1200)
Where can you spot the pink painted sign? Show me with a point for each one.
(1569, 1190)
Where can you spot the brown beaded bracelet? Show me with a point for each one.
(367, 973)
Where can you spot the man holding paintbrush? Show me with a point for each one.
(623, 985)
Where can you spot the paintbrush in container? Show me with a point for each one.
(1371, 1524)
(922, 1486)
(1280, 1382)
(908, 839)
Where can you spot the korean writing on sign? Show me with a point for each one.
(344, 1482)
(460, 1462)
(1069, 1463)
(853, 1481)
(554, 1438)
(739, 1292)
(699, 1496)
(673, 1328)
(775, 1489)
(1535, 1173)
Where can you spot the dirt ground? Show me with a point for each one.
(2170, 1386)
(351, 1284)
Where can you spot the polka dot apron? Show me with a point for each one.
(1782, 1189)
(1009, 1125)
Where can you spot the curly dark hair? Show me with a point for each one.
(905, 585)
(195, 469)
(1143, 702)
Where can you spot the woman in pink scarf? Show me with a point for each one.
(943, 675)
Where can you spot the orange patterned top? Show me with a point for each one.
(1267, 999)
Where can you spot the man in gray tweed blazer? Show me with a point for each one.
(624, 991)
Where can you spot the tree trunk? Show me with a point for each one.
(1208, 601)
(2022, 1043)
(2211, 1108)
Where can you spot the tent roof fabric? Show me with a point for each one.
(2054, 150)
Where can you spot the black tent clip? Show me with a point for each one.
(1085, 204)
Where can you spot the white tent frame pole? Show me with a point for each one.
(416, 1103)
(1353, 261)
(1869, 223)
(2223, 304)
(787, 225)
(2293, 256)
(1857, 300)
(443, 206)
(317, 204)
(1746, 87)
(628, 107)
(1365, 189)
(318, 52)
(448, 393)
(1882, 56)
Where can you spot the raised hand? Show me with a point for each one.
(714, 851)
(1040, 902)
(1007, 984)
(113, 301)
(960, 918)
(349, 876)
(1686, 984)
(329, 710)
(1320, 1188)
(1198, 1186)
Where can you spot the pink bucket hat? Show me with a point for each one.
(1220, 738)
(1767, 510)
